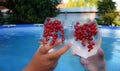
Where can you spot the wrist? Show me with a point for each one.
(97, 67)
(32, 67)
(29, 67)
(102, 68)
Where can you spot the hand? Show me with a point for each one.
(43, 60)
(95, 62)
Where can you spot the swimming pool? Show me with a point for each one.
(18, 44)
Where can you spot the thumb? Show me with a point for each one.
(100, 54)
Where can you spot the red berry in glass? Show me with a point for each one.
(85, 33)
(51, 29)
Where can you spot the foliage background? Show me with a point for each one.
(79, 3)
(29, 11)
(107, 12)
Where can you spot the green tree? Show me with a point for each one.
(81, 3)
(107, 12)
(69, 4)
(117, 20)
(93, 2)
(1, 17)
(75, 3)
(31, 11)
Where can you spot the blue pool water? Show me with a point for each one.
(18, 44)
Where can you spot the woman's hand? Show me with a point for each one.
(95, 62)
(43, 60)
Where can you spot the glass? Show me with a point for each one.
(53, 30)
(95, 39)
(85, 38)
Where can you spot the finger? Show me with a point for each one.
(84, 61)
(86, 67)
(42, 50)
(100, 54)
(100, 51)
(47, 47)
(59, 52)
(73, 53)
(54, 62)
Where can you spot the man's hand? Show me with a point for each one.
(95, 62)
(43, 60)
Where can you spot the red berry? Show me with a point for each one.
(89, 50)
(76, 27)
(77, 23)
(92, 43)
(89, 46)
(51, 29)
(47, 39)
(85, 33)
(48, 19)
(83, 43)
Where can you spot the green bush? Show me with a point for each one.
(80, 3)
(30, 11)
(107, 11)
(117, 21)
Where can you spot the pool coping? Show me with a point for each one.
(41, 25)
(20, 25)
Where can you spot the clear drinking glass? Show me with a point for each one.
(69, 35)
(78, 47)
(53, 29)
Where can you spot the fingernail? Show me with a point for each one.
(101, 54)
(69, 44)
(73, 53)
(100, 51)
